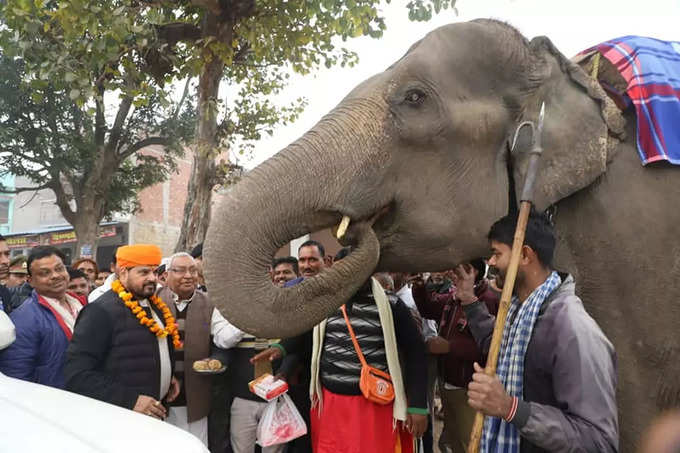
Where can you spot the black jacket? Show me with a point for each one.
(12, 298)
(112, 357)
(340, 367)
(5, 297)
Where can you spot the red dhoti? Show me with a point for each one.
(352, 424)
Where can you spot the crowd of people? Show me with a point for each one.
(370, 378)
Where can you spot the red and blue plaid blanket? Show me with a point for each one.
(651, 68)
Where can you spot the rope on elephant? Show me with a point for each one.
(596, 65)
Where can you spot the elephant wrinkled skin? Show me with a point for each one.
(424, 144)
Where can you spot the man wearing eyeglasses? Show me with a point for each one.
(198, 321)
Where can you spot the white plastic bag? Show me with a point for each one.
(280, 423)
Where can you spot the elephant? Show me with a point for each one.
(419, 158)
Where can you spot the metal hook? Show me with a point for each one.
(518, 129)
(536, 132)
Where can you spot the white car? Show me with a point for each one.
(38, 419)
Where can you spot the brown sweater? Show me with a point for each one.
(195, 326)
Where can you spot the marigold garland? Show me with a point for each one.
(171, 327)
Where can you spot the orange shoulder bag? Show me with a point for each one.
(375, 384)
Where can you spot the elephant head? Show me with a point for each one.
(418, 158)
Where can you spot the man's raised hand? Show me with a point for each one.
(464, 279)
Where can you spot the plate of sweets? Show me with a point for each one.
(209, 366)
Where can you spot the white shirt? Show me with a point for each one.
(68, 316)
(225, 334)
(164, 353)
(429, 325)
(94, 295)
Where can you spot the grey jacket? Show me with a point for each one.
(569, 377)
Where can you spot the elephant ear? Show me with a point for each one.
(581, 128)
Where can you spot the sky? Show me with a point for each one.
(572, 25)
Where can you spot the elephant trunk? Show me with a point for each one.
(306, 187)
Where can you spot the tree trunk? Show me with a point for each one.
(84, 219)
(87, 230)
(87, 193)
(197, 209)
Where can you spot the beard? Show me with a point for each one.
(500, 278)
(144, 291)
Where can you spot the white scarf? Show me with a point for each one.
(66, 315)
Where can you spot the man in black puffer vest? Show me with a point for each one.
(112, 356)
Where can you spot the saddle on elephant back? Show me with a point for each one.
(645, 73)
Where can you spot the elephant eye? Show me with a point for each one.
(414, 96)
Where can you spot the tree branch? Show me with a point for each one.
(248, 65)
(114, 62)
(241, 54)
(176, 32)
(62, 199)
(149, 141)
(100, 121)
(18, 190)
(211, 5)
(23, 156)
(29, 201)
(116, 130)
(185, 93)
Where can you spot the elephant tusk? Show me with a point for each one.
(342, 228)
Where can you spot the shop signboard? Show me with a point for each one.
(23, 242)
(62, 237)
(56, 238)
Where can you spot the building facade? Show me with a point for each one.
(33, 218)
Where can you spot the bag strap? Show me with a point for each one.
(362, 359)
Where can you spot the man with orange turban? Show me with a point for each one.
(122, 346)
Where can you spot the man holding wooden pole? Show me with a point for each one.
(556, 382)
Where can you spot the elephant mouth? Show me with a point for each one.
(349, 233)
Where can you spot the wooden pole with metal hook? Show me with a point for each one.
(509, 282)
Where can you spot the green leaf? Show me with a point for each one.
(74, 94)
